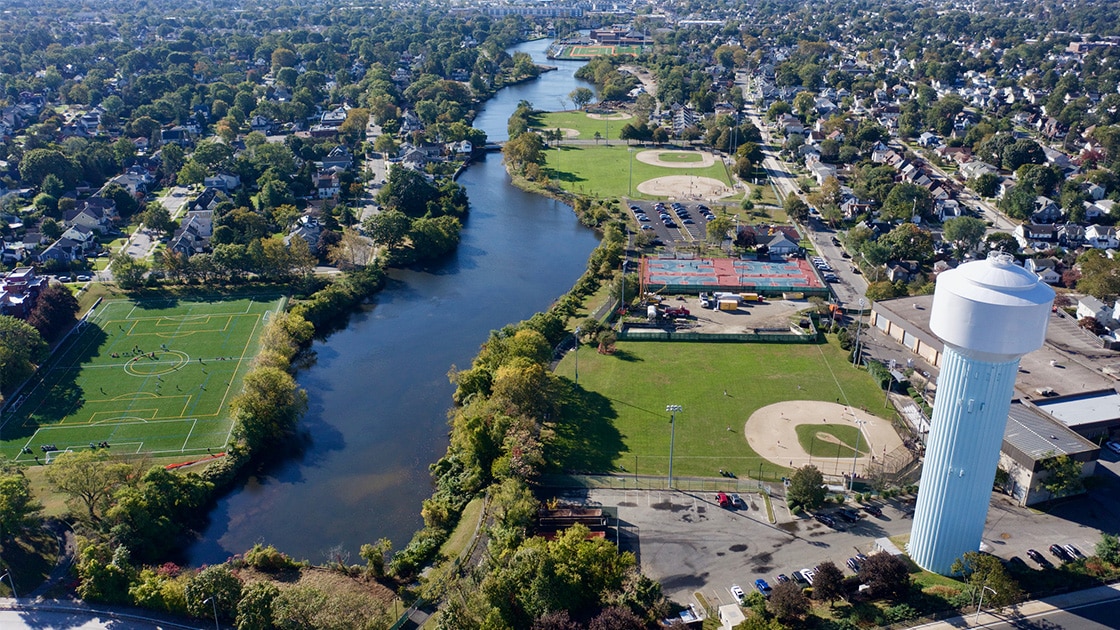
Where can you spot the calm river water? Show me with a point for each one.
(378, 389)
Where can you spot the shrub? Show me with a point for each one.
(901, 612)
(269, 559)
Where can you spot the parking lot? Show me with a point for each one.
(750, 316)
(674, 222)
(690, 544)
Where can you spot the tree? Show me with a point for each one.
(965, 232)
(581, 96)
(1001, 241)
(1022, 151)
(17, 503)
(1063, 476)
(908, 242)
(885, 575)
(89, 478)
(254, 610)
(128, 271)
(1108, 548)
(796, 209)
(717, 228)
(828, 585)
(268, 407)
(54, 311)
(788, 602)
(985, 185)
(882, 290)
(616, 618)
(905, 201)
(374, 555)
(157, 218)
(1100, 275)
(806, 488)
(385, 143)
(218, 583)
(38, 163)
(389, 228)
(986, 571)
(21, 348)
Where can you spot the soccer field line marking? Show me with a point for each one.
(241, 359)
(189, 434)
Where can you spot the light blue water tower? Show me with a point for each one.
(989, 313)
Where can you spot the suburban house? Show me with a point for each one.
(1034, 236)
(1045, 211)
(95, 213)
(306, 227)
(781, 245)
(1101, 237)
(339, 157)
(19, 289)
(225, 182)
(193, 235)
(1045, 268)
(1090, 306)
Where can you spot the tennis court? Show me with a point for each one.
(677, 275)
(149, 376)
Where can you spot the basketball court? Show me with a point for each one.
(730, 274)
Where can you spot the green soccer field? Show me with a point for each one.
(153, 377)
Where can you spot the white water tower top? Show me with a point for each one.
(991, 307)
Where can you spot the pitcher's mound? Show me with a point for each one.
(685, 187)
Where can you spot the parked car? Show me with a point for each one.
(762, 587)
(1037, 557)
(800, 578)
(873, 510)
(738, 501)
(853, 564)
(809, 575)
(737, 592)
(723, 500)
(1060, 553)
(64, 278)
(782, 578)
(1113, 446)
(1074, 552)
(83, 278)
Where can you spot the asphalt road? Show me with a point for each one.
(80, 619)
(1098, 616)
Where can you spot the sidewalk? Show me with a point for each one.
(1032, 608)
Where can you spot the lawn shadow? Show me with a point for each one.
(586, 438)
(623, 355)
(65, 395)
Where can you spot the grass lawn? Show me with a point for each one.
(461, 537)
(147, 376)
(604, 171)
(30, 556)
(681, 156)
(844, 445)
(621, 423)
(585, 125)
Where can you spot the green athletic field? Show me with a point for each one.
(589, 52)
(152, 377)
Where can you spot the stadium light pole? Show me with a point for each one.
(855, 455)
(673, 411)
(859, 326)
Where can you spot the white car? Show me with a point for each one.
(1113, 446)
(809, 575)
(737, 591)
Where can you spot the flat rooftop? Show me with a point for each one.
(1083, 409)
(1051, 366)
(1038, 436)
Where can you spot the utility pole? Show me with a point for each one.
(673, 411)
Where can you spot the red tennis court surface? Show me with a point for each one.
(676, 275)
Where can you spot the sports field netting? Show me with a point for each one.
(151, 376)
(729, 274)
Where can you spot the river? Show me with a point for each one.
(378, 389)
